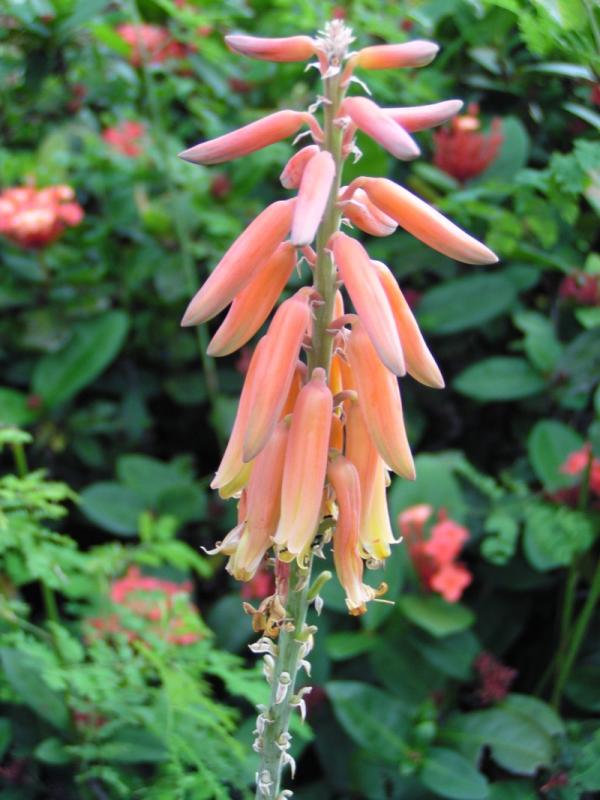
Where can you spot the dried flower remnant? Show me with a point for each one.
(320, 420)
(34, 218)
(462, 150)
(494, 678)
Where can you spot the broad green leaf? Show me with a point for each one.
(14, 408)
(132, 746)
(555, 535)
(452, 655)
(565, 70)
(534, 709)
(512, 790)
(24, 676)
(541, 344)
(373, 719)
(513, 154)
(5, 736)
(499, 378)
(348, 644)
(113, 507)
(435, 615)
(52, 751)
(148, 477)
(449, 774)
(548, 445)
(59, 376)
(517, 744)
(465, 303)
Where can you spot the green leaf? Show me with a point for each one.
(347, 644)
(24, 676)
(548, 446)
(513, 154)
(132, 745)
(14, 409)
(517, 744)
(113, 507)
(555, 535)
(449, 774)
(451, 655)
(541, 344)
(370, 717)
(565, 70)
(584, 113)
(435, 615)
(52, 751)
(5, 736)
(59, 376)
(435, 484)
(512, 790)
(148, 477)
(534, 709)
(583, 688)
(464, 303)
(499, 378)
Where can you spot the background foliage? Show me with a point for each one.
(125, 418)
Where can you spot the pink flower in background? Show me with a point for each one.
(434, 557)
(577, 463)
(495, 679)
(260, 586)
(461, 150)
(151, 43)
(582, 287)
(125, 138)
(34, 218)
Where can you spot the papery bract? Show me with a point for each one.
(252, 306)
(305, 467)
(241, 262)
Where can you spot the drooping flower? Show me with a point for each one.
(125, 138)
(462, 150)
(287, 48)
(34, 218)
(313, 194)
(374, 121)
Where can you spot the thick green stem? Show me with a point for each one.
(274, 738)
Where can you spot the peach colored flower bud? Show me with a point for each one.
(424, 222)
(349, 566)
(376, 533)
(380, 403)
(263, 504)
(233, 473)
(252, 305)
(276, 371)
(372, 120)
(292, 172)
(287, 48)
(241, 262)
(367, 217)
(369, 299)
(313, 195)
(418, 53)
(295, 388)
(305, 466)
(268, 130)
(419, 361)
(418, 118)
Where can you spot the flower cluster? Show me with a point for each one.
(461, 150)
(583, 288)
(319, 423)
(434, 557)
(152, 600)
(495, 679)
(153, 44)
(34, 218)
(125, 138)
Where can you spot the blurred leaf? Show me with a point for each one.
(372, 718)
(347, 644)
(5, 736)
(435, 615)
(114, 507)
(14, 408)
(541, 343)
(512, 790)
(148, 477)
(59, 376)
(583, 688)
(435, 484)
(565, 70)
(588, 317)
(131, 746)
(548, 445)
(513, 154)
(24, 678)
(584, 113)
(465, 303)
(452, 655)
(52, 751)
(449, 774)
(555, 535)
(499, 378)
(531, 708)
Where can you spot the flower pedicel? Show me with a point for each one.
(320, 422)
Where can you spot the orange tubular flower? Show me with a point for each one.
(349, 566)
(315, 187)
(369, 299)
(418, 118)
(276, 370)
(424, 222)
(287, 48)
(419, 361)
(360, 211)
(376, 533)
(379, 400)
(252, 305)
(391, 56)
(305, 467)
(241, 262)
(376, 123)
(248, 139)
(294, 169)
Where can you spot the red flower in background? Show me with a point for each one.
(461, 150)
(125, 138)
(151, 43)
(577, 463)
(434, 558)
(260, 586)
(151, 599)
(34, 218)
(495, 679)
(582, 287)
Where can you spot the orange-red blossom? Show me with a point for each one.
(313, 440)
